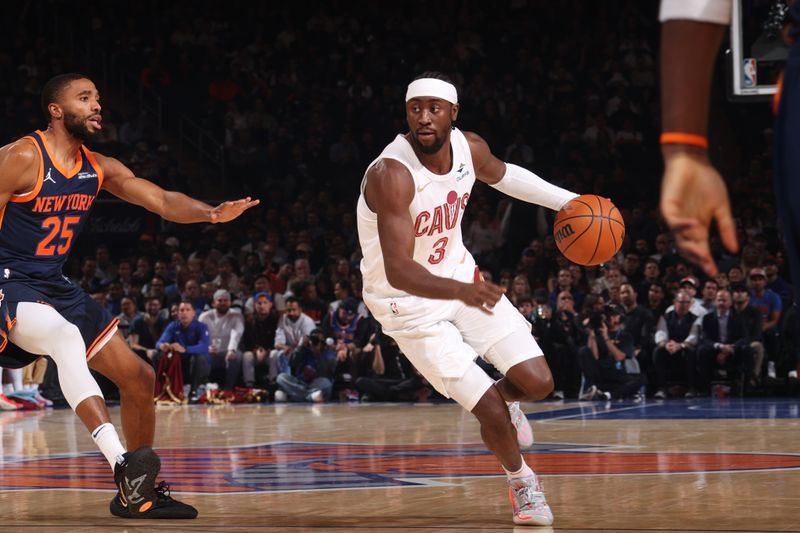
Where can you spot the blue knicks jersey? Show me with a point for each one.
(38, 228)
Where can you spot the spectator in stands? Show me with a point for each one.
(709, 295)
(564, 282)
(612, 277)
(312, 304)
(226, 277)
(293, 328)
(640, 324)
(89, 280)
(391, 378)
(259, 338)
(147, 328)
(128, 314)
(776, 283)
(342, 291)
(632, 268)
(690, 285)
(104, 269)
(189, 338)
(311, 369)
(770, 306)
(676, 341)
(260, 285)
(349, 333)
(156, 289)
(651, 274)
(225, 329)
(191, 292)
(520, 288)
(566, 337)
(724, 347)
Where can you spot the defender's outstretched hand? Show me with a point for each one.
(692, 194)
(227, 211)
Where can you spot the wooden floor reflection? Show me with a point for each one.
(621, 467)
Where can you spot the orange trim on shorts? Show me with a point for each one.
(100, 337)
(97, 168)
(28, 196)
(4, 335)
(676, 137)
(78, 159)
(776, 98)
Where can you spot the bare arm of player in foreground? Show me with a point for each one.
(692, 191)
(170, 205)
(389, 191)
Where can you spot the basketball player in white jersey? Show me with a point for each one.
(420, 281)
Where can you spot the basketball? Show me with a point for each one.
(589, 230)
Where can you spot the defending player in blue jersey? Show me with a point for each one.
(48, 182)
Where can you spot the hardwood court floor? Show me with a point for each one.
(707, 465)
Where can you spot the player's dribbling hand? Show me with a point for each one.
(692, 195)
(482, 294)
(227, 211)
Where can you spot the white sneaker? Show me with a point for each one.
(7, 404)
(589, 393)
(280, 396)
(558, 395)
(41, 399)
(317, 396)
(792, 374)
(528, 503)
(523, 427)
(771, 370)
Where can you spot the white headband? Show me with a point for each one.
(432, 87)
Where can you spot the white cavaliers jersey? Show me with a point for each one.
(437, 210)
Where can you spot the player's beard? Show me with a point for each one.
(433, 148)
(77, 127)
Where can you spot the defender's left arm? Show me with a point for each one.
(514, 180)
(170, 205)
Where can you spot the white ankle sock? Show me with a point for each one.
(106, 438)
(524, 471)
(16, 378)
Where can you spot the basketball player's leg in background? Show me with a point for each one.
(40, 329)
(136, 382)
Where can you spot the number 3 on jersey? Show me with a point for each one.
(57, 227)
(438, 251)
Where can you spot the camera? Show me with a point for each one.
(596, 319)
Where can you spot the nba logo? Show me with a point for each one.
(393, 307)
(749, 72)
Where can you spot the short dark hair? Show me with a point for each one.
(53, 88)
(292, 299)
(186, 301)
(435, 74)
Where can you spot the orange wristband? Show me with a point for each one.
(692, 139)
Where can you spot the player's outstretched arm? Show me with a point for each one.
(389, 191)
(170, 205)
(692, 191)
(19, 167)
(514, 180)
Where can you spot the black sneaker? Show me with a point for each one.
(138, 497)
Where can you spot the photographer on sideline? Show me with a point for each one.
(602, 360)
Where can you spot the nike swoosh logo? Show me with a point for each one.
(420, 189)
